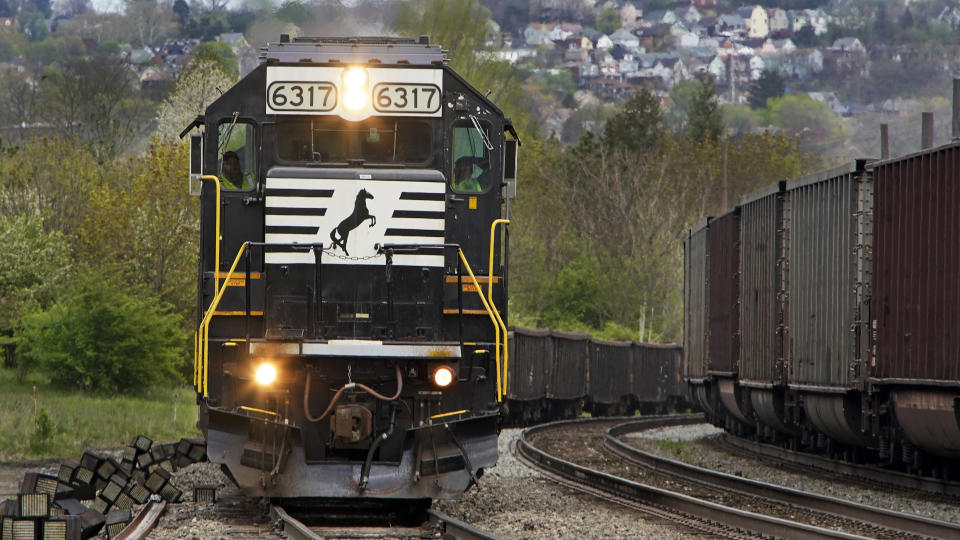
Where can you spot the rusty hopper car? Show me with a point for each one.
(352, 276)
(914, 364)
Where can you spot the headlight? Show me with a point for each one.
(266, 374)
(354, 88)
(442, 376)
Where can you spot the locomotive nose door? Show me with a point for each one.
(473, 199)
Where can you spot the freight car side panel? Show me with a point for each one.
(695, 302)
(609, 370)
(724, 293)
(916, 290)
(761, 314)
(656, 375)
(531, 360)
(823, 272)
(569, 370)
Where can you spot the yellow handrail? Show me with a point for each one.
(198, 338)
(490, 312)
(205, 323)
(506, 349)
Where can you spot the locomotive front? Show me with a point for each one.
(352, 277)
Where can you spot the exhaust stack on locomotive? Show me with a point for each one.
(352, 281)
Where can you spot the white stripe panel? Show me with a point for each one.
(295, 221)
(297, 202)
(418, 223)
(398, 260)
(317, 202)
(332, 183)
(310, 239)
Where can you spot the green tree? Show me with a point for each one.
(104, 336)
(638, 125)
(50, 178)
(817, 125)
(705, 120)
(294, 11)
(608, 19)
(144, 223)
(219, 52)
(97, 99)
(34, 263)
(769, 85)
(33, 26)
(196, 88)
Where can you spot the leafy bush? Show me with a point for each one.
(103, 336)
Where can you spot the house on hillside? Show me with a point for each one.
(778, 20)
(756, 21)
(687, 40)
(247, 58)
(625, 39)
(729, 25)
(661, 17)
(848, 45)
(604, 42)
(630, 14)
(689, 15)
(536, 34)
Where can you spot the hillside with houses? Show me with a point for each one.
(858, 58)
(835, 69)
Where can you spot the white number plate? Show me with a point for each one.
(302, 96)
(406, 98)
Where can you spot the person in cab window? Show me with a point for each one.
(463, 179)
(232, 175)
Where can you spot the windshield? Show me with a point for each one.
(330, 140)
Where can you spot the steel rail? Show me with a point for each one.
(456, 528)
(821, 503)
(871, 473)
(628, 489)
(145, 521)
(451, 528)
(290, 527)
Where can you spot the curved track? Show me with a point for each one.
(907, 523)
(717, 518)
(867, 473)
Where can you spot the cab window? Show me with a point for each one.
(330, 140)
(470, 169)
(236, 153)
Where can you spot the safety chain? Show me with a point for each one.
(329, 251)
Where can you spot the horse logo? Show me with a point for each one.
(360, 213)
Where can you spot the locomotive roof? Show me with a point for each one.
(366, 50)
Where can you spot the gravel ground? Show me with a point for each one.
(516, 502)
(697, 445)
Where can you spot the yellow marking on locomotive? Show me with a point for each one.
(472, 203)
(254, 409)
(444, 415)
(253, 275)
(230, 344)
(450, 311)
(237, 313)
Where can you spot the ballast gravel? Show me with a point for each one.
(699, 445)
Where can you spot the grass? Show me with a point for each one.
(674, 447)
(64, 423)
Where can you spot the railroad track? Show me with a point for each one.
(437, 525)
(906, 523)
(730, 513)
(869, 474)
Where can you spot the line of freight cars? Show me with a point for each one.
(823, 313)
(554, 375)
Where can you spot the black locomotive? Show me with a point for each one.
(352, 272)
